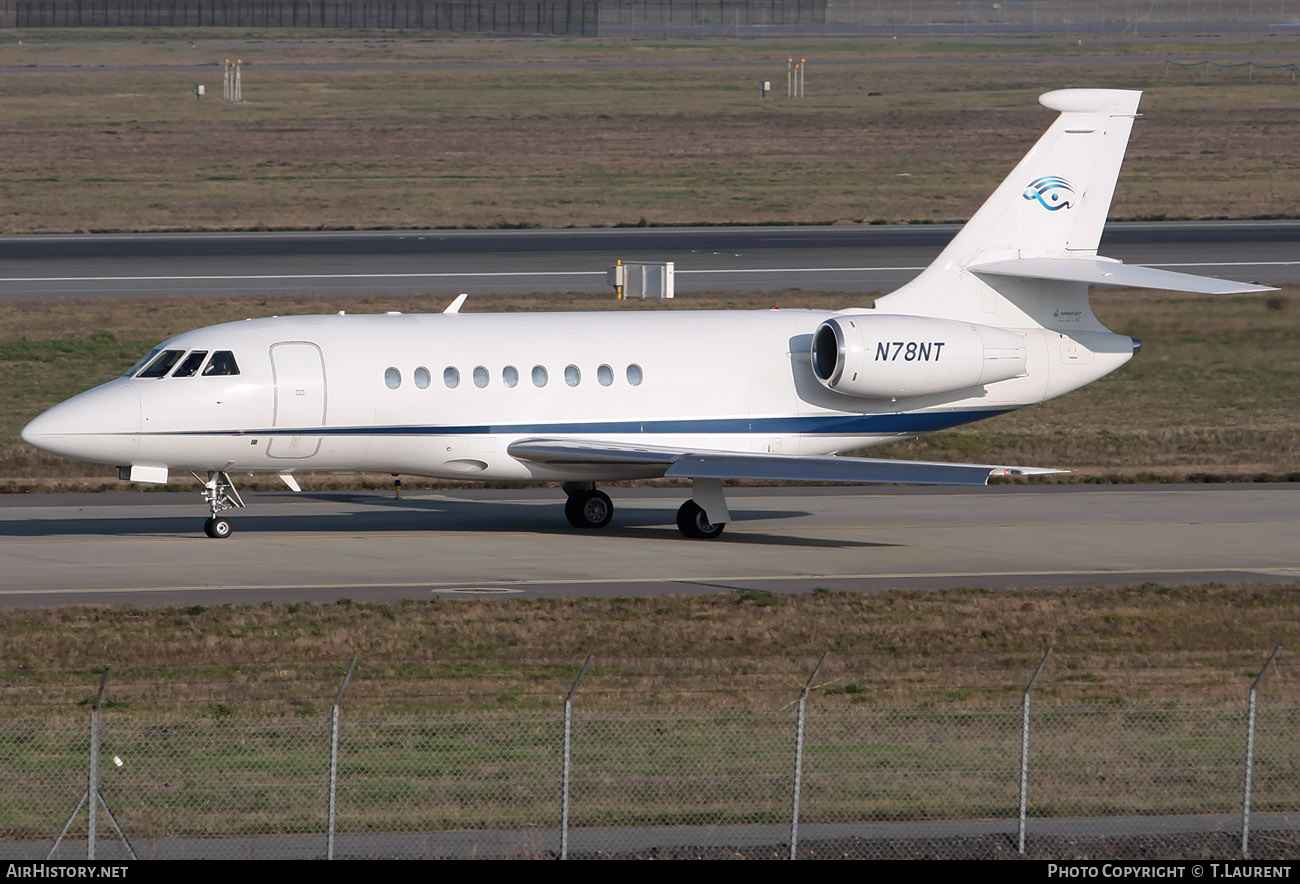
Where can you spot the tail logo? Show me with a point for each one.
(1052, 192)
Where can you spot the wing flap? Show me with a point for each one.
(696, 464)
(841, 469)
(1102, 271)
(591, 452)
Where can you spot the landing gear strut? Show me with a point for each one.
(586, 507)
(220, 495)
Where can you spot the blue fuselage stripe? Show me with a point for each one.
(818, 425)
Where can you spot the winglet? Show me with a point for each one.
(454, 306)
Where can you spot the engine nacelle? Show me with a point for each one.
(886, 357)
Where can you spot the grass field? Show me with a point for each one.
(413, 133)
(968, 648)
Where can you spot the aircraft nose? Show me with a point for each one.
(101, 425)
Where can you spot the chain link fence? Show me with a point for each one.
(678, 18)
(841, 780)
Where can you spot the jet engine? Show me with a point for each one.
(887, 357)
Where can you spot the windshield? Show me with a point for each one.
(148, 357)
(162, 364)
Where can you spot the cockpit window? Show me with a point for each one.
(222, 362)
(190, 366)
(161, 365)
(148, 357)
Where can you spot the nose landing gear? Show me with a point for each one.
(220, 495)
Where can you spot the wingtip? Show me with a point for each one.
(1005, 472)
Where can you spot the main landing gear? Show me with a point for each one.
(220, 495)
(694, 523)
(589, 509)
(586, 507)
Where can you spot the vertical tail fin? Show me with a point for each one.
(1056, 199)
(1052, 205)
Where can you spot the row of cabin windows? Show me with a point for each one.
(159, 364)
(509, 376)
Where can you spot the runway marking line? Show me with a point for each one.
(513, 273)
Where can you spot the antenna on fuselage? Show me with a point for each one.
(454, 306)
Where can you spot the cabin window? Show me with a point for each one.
(190, 367)
(221, 363)
(392, 378)
(539, 376)
(480, 376)
(510, 376)
(572, 376)
(421, 378)
(634, 376)
(451, 377)
(163, 364)
(605, 375)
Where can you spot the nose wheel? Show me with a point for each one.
(218, 527)
(220, 495)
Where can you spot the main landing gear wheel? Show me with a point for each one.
(589, 509)
(692, 522)
(218, 527)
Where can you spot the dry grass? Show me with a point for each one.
(526, 133)
(1136, 644)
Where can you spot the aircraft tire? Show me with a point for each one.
(589, 510)
(692, 522)
(217, 527)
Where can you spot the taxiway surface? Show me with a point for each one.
(148, 548)
(862, 258)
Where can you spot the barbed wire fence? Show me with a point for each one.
(796, 779)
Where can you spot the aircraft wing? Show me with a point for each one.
(704, 464)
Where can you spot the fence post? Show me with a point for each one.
(334, 759)
(1024, 747)
(798, 755)
(565, 773)
(92, 789)
(92, 781)
(1250, 755)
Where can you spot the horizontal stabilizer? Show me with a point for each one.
(698, 464)
(1099, 271)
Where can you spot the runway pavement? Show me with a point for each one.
(148, 549)
(485, 262)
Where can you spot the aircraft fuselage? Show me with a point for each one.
(444, 395)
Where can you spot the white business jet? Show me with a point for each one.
(999, 321)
